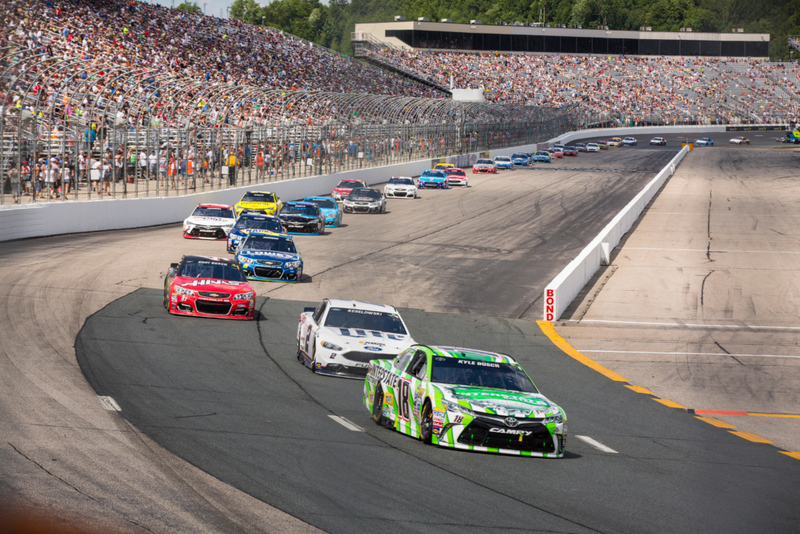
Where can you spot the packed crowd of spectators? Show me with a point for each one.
(663, 89)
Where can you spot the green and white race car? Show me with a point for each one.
(465, 399)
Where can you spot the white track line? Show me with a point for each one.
(713, 251)
(690, 353)
(347, 424)
(687, 325)
(596, 444)
(109, 403)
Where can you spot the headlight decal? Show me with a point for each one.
(243, 296)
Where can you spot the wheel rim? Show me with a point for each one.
(427, 422)
(377, 405)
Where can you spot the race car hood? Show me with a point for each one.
(363, 199)
(366, 340)
(269, 255)
(256, 206)
(242, 232)
(209, 221)
(498, 402)
(212, 285)
(343, 190)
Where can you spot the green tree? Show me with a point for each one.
(191, 7)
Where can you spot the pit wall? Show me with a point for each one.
(54, 218)
(565, 287)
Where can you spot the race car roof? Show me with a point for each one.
(221, 206)
(359, 305)
(258, 216)
(207, 258)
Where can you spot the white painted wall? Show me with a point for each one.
(53, 218)
(569, 282)
(34, 220)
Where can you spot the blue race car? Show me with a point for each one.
(433, 178)
(253, 223)
(331, 210)
(520, 159)
(704, 141)
(272, 258)
(542, 156)
(302, 218)
(503, 162)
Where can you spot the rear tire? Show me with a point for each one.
(377, 408)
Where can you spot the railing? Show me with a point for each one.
(161, 162)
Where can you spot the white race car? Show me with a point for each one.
(209, 221)
(400, 187)
(592, 147)
(740, 141)
(341, 337)
(630, 141)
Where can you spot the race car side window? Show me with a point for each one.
(417, 363)
(402, 360)
(319, 311)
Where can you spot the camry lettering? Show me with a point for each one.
(511, 432)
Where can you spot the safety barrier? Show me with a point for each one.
(43, 219)
(559, 293)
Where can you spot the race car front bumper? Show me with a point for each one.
(484, 434)
(205, 232)
(396, 193)
(214, 309)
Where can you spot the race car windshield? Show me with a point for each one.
(454, 172)
(248, 223)
(542, 153)
(365, 320)
(269, 243)
(212, 269)
(258, 197)
(222, 213)
(401, 181)
(519, 156)
(484, 162)
(466, 372)
(299, 210)
(347, 184)
(328, 204)
(365, 193)
(503, 159)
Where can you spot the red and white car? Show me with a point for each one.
(344, 188)
(484, 166)
(206, 286)
(740, 141)
(457, 176)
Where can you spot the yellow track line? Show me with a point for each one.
(558, 341)
(750, 436)
(716, 422)
(772, 415)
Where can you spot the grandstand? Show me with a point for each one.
(93, 84)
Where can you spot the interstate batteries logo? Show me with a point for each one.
(475, 394)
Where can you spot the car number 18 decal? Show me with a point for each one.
(404, 392)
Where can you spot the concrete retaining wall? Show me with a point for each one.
(19, 222)
(569, 282)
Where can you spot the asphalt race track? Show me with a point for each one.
(465, 267)
(233, 400)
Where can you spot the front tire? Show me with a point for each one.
(377, 408)
(426, 424)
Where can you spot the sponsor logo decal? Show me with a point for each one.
(511, 432)
(373, 349)
(384, 375)
(511, 421)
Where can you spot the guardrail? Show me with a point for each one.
(563, 288)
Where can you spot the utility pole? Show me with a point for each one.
(204, 8)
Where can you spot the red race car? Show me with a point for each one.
(344, 188)
(457, 176)
(206, 286)
(484, 166)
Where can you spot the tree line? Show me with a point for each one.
(331, 25)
